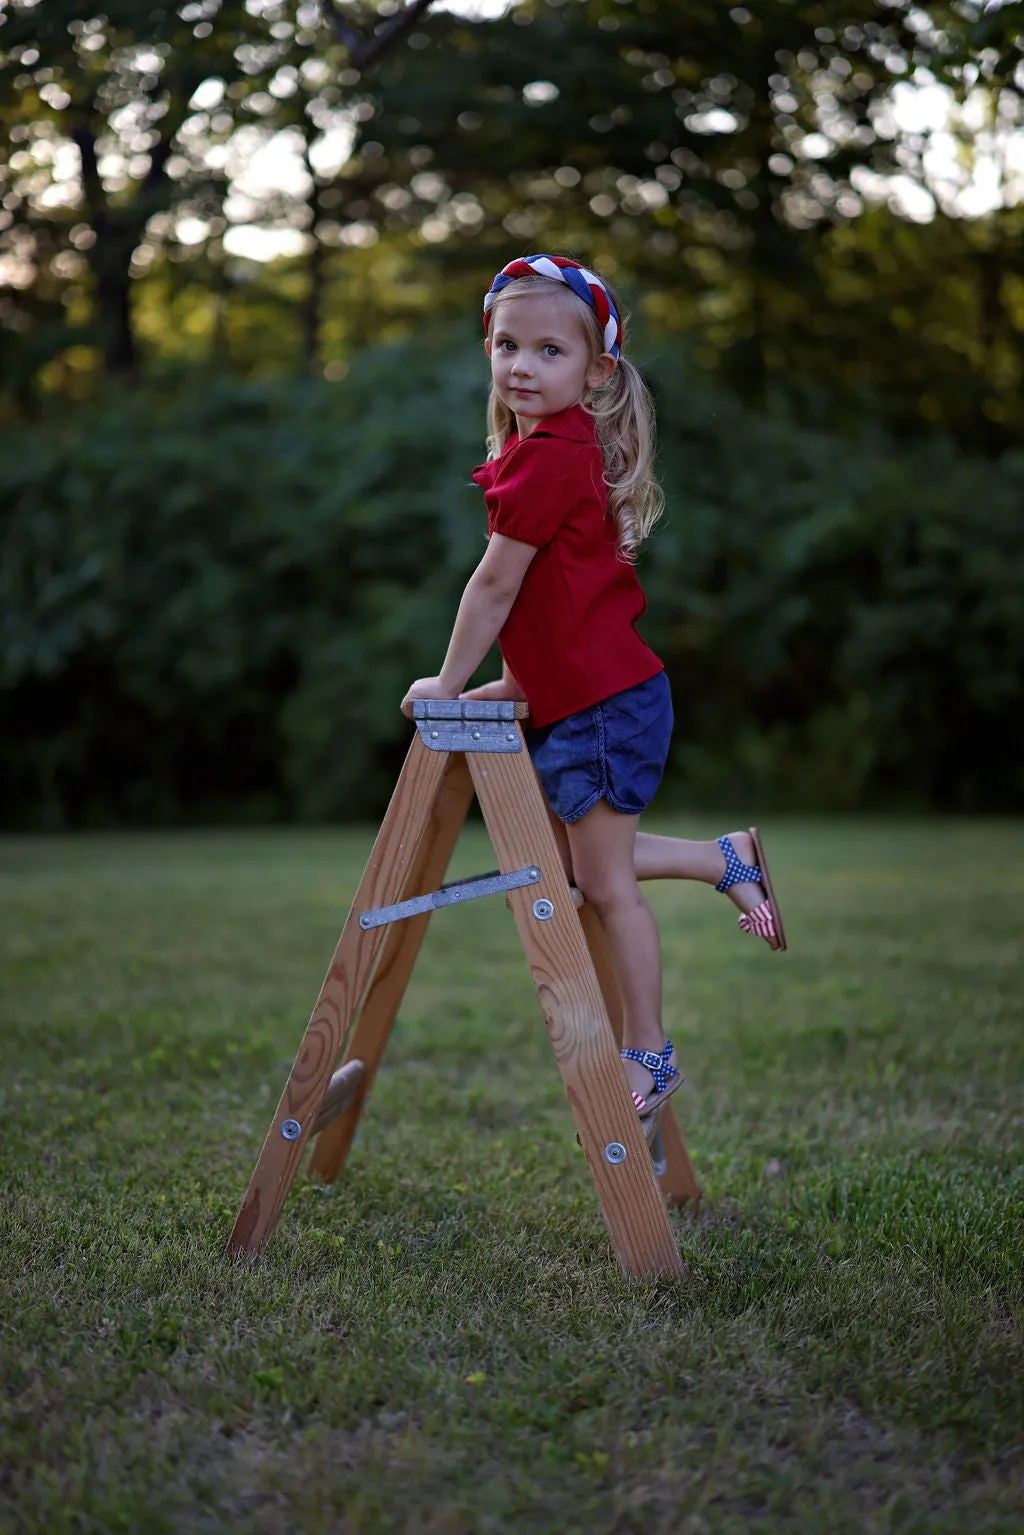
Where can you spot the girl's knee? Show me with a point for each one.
(607, 890)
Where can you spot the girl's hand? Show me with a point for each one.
(500, 691)
(425, 687)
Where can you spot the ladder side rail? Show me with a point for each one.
(371, 1029)
(513, 806)
(678, 1181)
(385, 874)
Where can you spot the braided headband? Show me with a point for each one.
(586, 285)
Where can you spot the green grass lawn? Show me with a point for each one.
(442, 1342)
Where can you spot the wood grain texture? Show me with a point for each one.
(368, 1039)
(570, 997)
(385, 876)
(678, 1181)
(597, 943)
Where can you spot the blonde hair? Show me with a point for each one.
(622, 409)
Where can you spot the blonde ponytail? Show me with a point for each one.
(623, 413)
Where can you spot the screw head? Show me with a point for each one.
(476, 735)
(510, 736)
(291, 1129)
(615, 1153)
(434, 734)
(543, 910)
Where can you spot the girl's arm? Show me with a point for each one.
(486, 602)
(506, 687)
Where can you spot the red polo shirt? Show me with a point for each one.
(570, 639)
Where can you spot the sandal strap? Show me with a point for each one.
(656, 1062)
(736, 871)
(760, 921)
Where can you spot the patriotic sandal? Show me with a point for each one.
(765, 921)
(666, 1078)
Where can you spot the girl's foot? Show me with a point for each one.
(652, 1076)
(742, 857)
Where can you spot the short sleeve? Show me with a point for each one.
(535, 490)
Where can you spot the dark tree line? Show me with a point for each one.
(119, 85)
(717, 160)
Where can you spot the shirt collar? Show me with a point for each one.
(573, 425)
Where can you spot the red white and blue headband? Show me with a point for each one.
(586, 285)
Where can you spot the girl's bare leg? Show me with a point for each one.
(602, 846)
(678, 858)
(657, 857)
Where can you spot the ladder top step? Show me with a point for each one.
(468, 709)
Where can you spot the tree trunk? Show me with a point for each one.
(111, 256)
(317, 280)
(109, 260)
(312, 309)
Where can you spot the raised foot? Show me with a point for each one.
(748, 895)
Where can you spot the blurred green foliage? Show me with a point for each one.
(718, 159)
(732, 164)
(213, 597)
(218, 577)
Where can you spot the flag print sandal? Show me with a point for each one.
(765, 921)
(666, 1077)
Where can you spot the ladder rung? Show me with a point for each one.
(450, 895)
(340, 1091)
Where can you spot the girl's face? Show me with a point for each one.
(541, 361)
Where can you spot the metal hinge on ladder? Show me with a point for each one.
(467, 724)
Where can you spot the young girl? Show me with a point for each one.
(570, 494)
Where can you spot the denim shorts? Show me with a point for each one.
(615, 751)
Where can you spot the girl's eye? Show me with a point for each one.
(508, 346)
(551, 350)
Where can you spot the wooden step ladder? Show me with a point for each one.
(461, 748)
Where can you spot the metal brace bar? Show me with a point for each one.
(450, 895)
(467, 724)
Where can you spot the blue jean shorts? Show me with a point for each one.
(614, 751)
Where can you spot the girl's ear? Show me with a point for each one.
(487, 345)
(600, 370)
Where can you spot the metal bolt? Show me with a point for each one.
(615, 1153)
(534, 875)
(291, 1129)
(510, 736)
(364, 921)
(476, 735)
(543, 910)
(434, 734)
